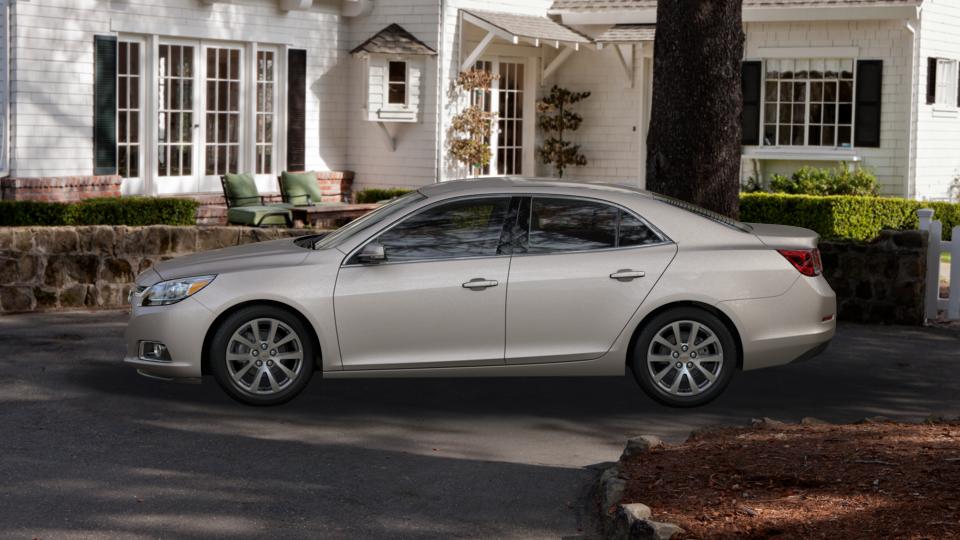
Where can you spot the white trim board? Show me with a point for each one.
(140, 25)
(805, 52)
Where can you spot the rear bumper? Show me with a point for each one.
(796, 325)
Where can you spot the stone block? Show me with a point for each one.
(15, 299)
(46, 297)
(101, 240)
(9, 271)
(183, 239)
(116, 270)
(56, 240)
(216, 237)
(73, 295)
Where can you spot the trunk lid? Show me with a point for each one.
(785, 236)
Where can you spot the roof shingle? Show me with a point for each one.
(393, 39)
(530, 26)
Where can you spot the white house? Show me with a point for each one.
(163, 97)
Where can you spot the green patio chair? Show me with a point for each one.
(245, 205)
(301, 189)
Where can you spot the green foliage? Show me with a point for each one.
(814, 181)
(105, 211)
(843, 216)
(555, 119)
(374, 195)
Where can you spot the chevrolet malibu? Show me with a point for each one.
(487, 278)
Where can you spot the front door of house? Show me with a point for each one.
(178, 96)
(507, 100)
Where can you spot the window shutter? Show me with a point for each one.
(296, 109)
(866, 129)
(931, 80)
(750, 120)
(105, 105)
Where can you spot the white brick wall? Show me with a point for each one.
(938, 128)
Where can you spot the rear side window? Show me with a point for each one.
(464, 228)
(560, 224)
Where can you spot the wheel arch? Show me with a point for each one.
(212, 329)
(713, 310)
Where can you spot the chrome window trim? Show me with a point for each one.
(664, 239)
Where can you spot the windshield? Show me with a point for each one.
(387, 211)
(703, 212)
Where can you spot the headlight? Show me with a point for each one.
(175, 290)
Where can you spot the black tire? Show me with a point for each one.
(303, 341)
(685, 316)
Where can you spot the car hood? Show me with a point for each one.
(276, 253)
(785, 236)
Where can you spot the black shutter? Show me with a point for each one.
(104, 105)
(866, 129)
(931, 81)
(296, 109)
(752, 78)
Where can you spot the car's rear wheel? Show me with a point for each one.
(262, 355)
(684, 357)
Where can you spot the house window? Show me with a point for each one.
(505, 100)
(175, 105)
(128, 109)
(397, 83)
(946, 91)
(808, 102)
(266, 85)
(223, 110)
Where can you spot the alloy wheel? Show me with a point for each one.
(685, 358)
(264, 356)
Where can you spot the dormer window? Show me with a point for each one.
(397, 91)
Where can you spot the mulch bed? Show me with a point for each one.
(773, 480)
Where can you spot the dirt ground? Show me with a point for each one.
(870, 480)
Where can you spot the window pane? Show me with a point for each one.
(634, 232)
(469, 228)
(398, 71)
(398, 93)
(571, 225)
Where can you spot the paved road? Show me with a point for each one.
(90, 449)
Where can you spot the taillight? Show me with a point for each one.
(807, 261)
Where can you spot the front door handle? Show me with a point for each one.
(478, 284)
(627, 275)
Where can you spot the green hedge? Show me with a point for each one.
(374, 195)
(105, 211)
(843, 216)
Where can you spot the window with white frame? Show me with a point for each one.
(128, 109)
(266, 96)
(946, 92)
(808, 102)
(397, 83)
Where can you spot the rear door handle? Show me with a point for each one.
(627, 275)
(479, 284)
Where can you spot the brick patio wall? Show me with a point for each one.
(48, 268)
(59, 189)
(881, 281)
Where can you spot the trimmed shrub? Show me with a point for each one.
(843, 216)
(813, 181)
(102, 211)
(374, 195)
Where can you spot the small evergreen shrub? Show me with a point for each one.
(814, 181)
(374, 195)
(135, 211)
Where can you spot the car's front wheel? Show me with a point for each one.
(262, 355)
(684, 357)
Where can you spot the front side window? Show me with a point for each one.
(397, 84)
(946, 90)
(558, 225)
(465, 228)
(808, 102)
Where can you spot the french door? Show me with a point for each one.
(216, 109)
(510, 140)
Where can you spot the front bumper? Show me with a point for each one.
(794, 326)
(181, 327)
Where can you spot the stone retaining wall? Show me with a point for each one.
(878, 282)
(43, 268)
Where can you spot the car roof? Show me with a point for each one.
(519, 183)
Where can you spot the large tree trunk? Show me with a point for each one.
(693, 146)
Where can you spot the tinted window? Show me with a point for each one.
(634, 232)
(467, 228)
(571, 225)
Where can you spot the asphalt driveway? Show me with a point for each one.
(90, 449)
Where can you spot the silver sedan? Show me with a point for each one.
(492, 277)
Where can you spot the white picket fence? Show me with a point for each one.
(937, 245)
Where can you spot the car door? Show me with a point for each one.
(578, 276)
(439, 297)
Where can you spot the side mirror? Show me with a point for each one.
(372, 253)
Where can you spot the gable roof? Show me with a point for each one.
(627, 33)
(393, 39)
(605, 5)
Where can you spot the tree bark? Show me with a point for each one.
(693, 146)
